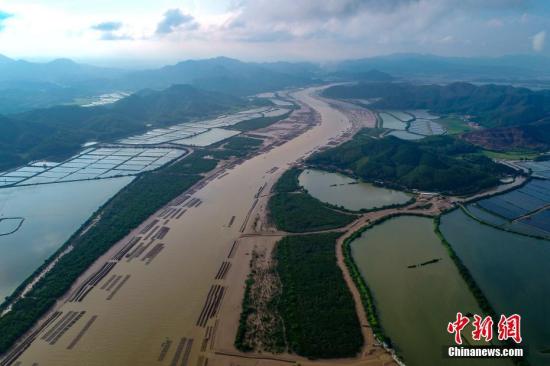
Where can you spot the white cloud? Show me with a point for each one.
(175, 19)
(538, 41)
(172, 30)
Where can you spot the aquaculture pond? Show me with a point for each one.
(51, 213)
(512, 270)
(340, 190)
(414, 304)
(391, 122)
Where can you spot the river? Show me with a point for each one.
(164, 299)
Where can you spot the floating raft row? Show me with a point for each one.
(179, 200)
(149, 226)
(260, 190)
(178, 216)
(161, 233)
(91, 282)
(18, 350)
(113, 284)
(82, 332)
(118, 287)
(211, 306)
(164, 348)
(151, 232)
(126, 248)
(183, 351)
(233, 249)
(222, 272)
(148, 258)
(245, 222)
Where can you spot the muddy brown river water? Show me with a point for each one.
(162, 300)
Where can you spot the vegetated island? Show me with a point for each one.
(438, 163)
(295, 211)
(301, 268)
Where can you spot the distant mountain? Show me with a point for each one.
(430, 66)
(307, 70)
(492, 105)
(514, 118)
(28, 85)
(60, 71)
(57, 132)
(218, 74)
(367, 76)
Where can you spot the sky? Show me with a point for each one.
(144, 32)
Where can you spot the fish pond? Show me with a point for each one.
(51, 213)
(340, 190)
(416, 288)
(512, 270)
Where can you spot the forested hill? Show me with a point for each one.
(493, 105)
(57, 132)
(219, 74)
(439, 163)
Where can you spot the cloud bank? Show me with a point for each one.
(175, 20)
(538, 41)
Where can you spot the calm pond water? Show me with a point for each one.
(414, 304)
(208, 138)
(52, 212)
(512, 270)
(340, 190)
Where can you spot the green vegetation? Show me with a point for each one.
(316, 305)
(299, 213)
(237, 146)
(514, 117)
(454, 125)
(247, 309)
(257, 123)
(438, 163)
(58, 132)
(288, 182)
(366, 295)
(124, 212)
(511, 155)
(493, 105)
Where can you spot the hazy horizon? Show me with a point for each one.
(144, 34)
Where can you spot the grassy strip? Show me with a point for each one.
(511, 155)
(257, 123)
(316, 305)
(454, 125)
(119, 216)
(300, 213)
